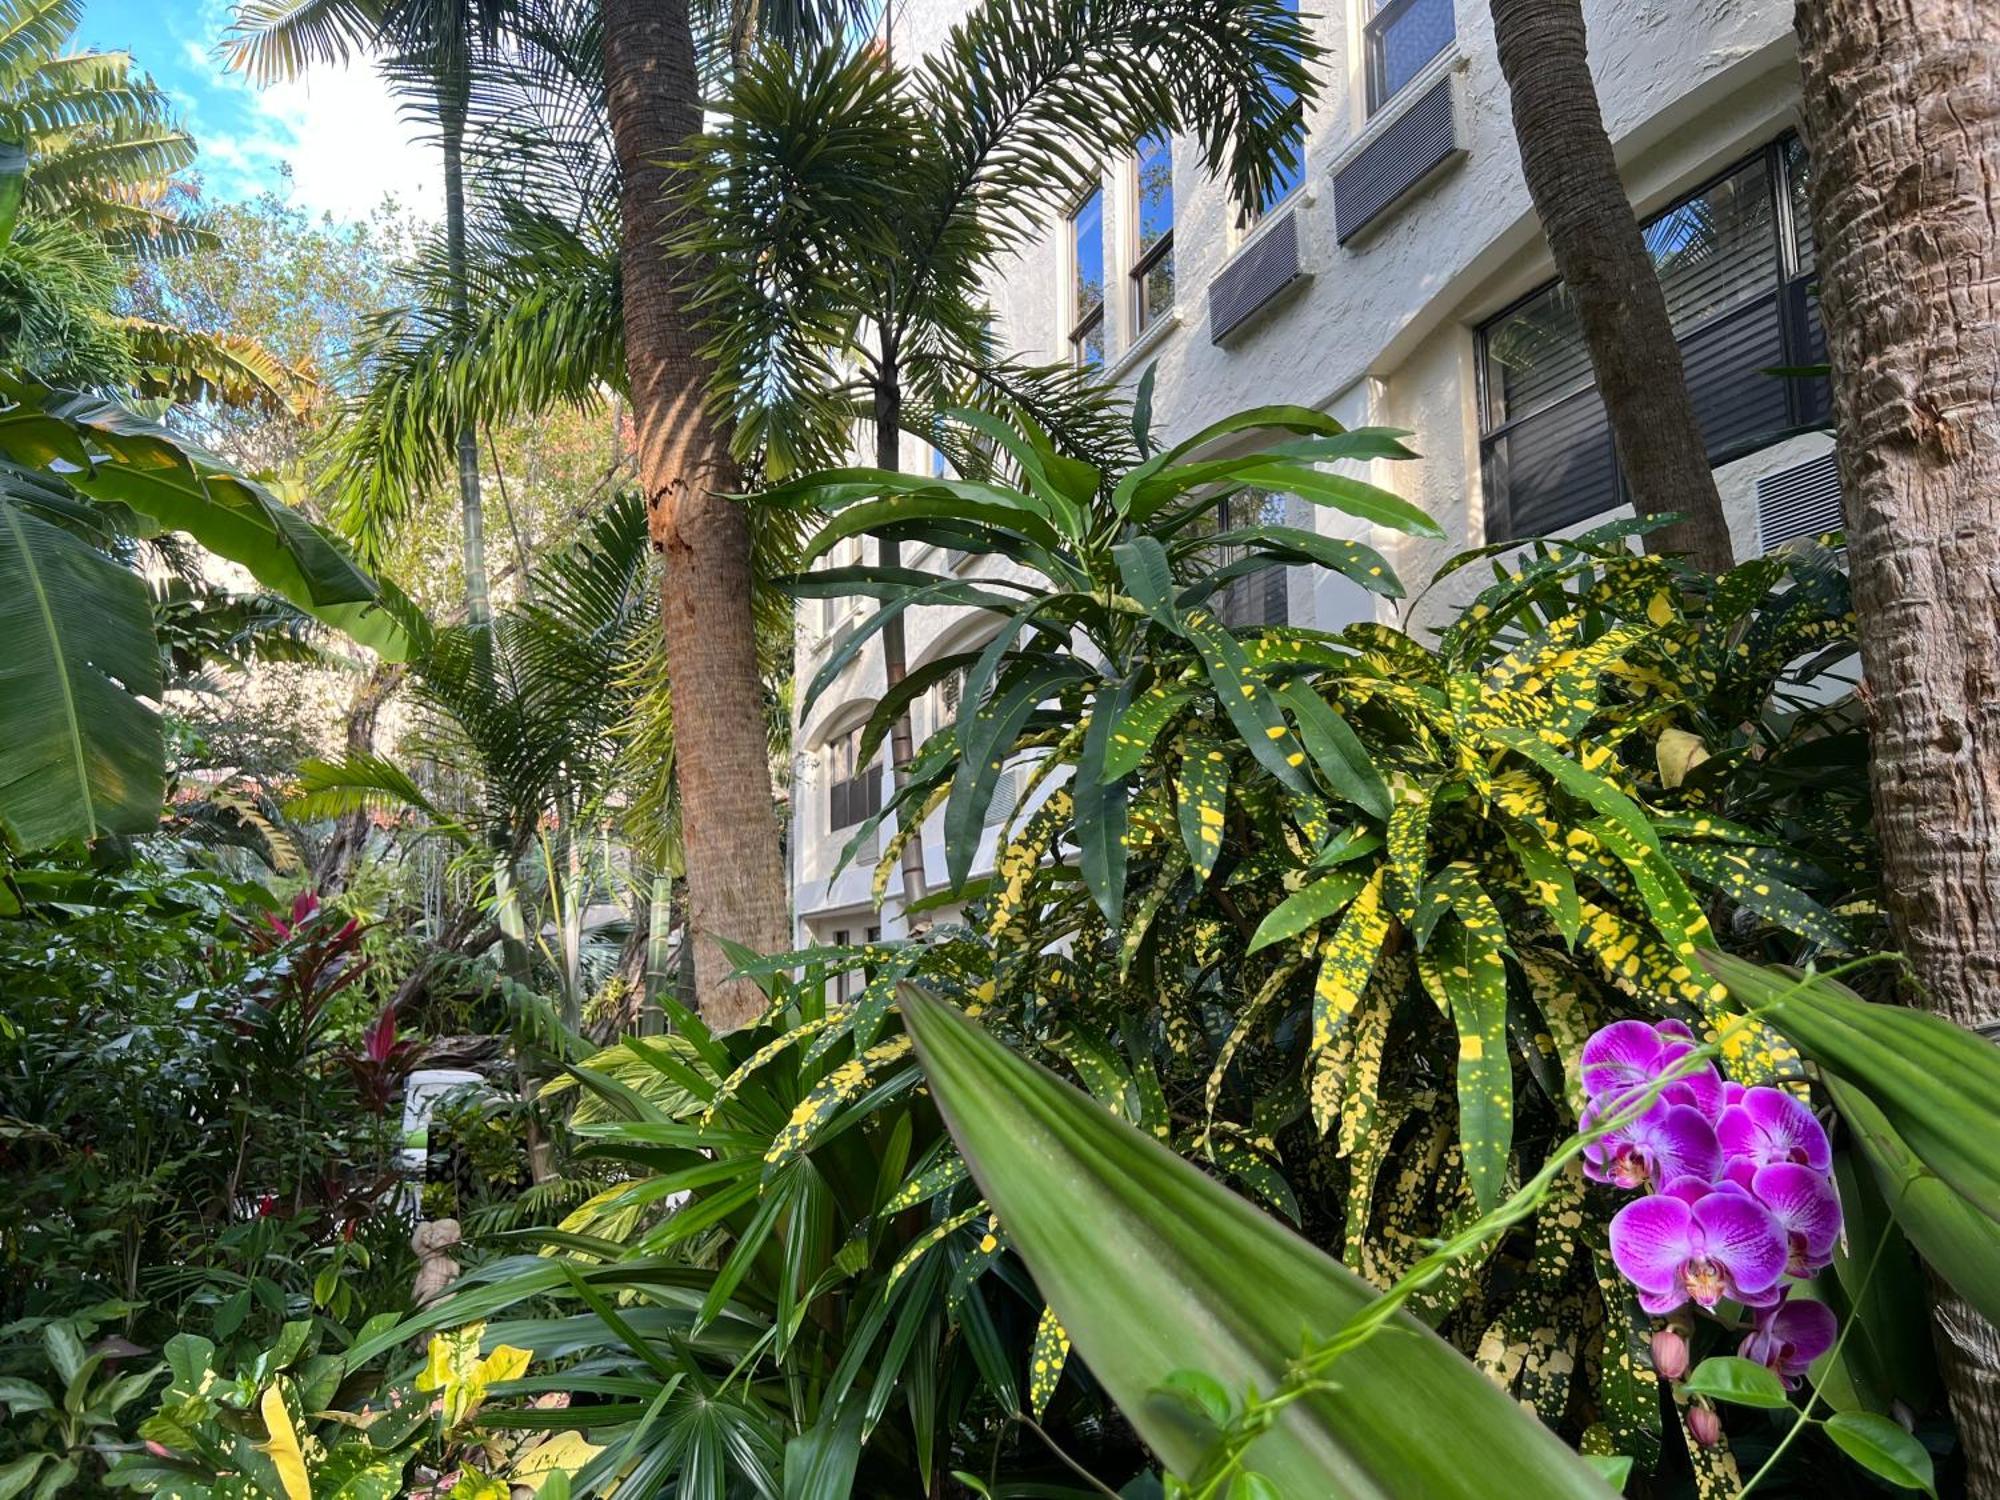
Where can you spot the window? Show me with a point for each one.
(1086, 262)
(847, 984)
(1256, 598)
(1734, 271)
(1287, 180)
(854, 791)
(1153, 270)
(1402, 36)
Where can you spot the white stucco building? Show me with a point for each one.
(1402, 280)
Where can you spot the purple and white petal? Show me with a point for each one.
(1739, 1236)
(1619, 1058)
(1651, 1240)
(1790, 1336)
(1768, 1125)
(1806, 1207)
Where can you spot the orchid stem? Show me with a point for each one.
(1805, 1417)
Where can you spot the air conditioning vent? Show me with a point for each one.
(1801, 501)
(1006, 793)
(1250, 282)
(1415, 144)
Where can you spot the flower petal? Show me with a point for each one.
(1739, 1235)
(1620, 1057)
(1652, 1239)
(1769, 1125)
(1806, 1207)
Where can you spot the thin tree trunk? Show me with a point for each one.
(1594, 239)
(735, 873)
(472, 514)
(1902, 111)
(349, 840)
(895, 656)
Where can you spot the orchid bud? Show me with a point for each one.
(1670, 1353)
(1704, 1425)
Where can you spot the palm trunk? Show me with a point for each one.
(895, 657)
(735, 873)
(1902, 111)
(349, 841)
(1594, 239)
(451, 118)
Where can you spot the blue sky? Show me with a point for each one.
(337, 130)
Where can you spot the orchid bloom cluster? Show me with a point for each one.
(1739, 1191)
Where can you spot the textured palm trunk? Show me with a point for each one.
(1594, 240)
(1902, 110)
(735, 874)
(472, 513)
(895, 654)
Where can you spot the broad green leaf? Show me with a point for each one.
(80, 754)
(1961, 1244)
(1250, 705)
(1883, 1447)
(1741, 1382)
(1336, 749)
(1154, 1267)
(1101, 807)
(1362, 565)
(1307, 907)
(1937, 1085)
(1355, 497)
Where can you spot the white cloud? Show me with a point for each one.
(339, 131)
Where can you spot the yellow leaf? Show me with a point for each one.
(567, 1451)
(283, 1448)
(473, 1485)
(504, 1363)
(1679, 753)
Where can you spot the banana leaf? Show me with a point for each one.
(1936, 1085)
(1156, 1271)
(1921, 1098)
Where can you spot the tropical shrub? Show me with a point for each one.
(194, 1101)
(1336, 914)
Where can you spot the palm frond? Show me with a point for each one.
(272, 40)
(32, 31)
(226, 369)
(366, 783)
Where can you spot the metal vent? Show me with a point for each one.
(1268, 265)
(1415, 144)
(949, 689)
(1006, 793)
(1803, 500)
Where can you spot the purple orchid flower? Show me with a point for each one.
(1724, 1244)
(1768, 1126)
(1624, 1059)
(1789, 1337)
(1667, 1143)
(1807, 1209)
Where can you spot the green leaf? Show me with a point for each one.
(1882, 1447)
(1202, 1393)
(1337, 750)
(1101, 807)
(1134, 733)
(1573, 778)
(1936, 1085)
(19, 1474)
(1363, 565)
(1615, 1467)
(13, 185)
(1741, 1382)
(1307, 907)
(23, 1395)
(1465, 963)
(1201, 801)
(1250, 1485)
(1961, 1244)
(1353, 496)
(1249, 704)
(80, 754)
(1154, 1267)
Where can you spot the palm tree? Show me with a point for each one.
(431, 50)
(1594, 238)
(90, 183)
(1904, 136)
(852, 208)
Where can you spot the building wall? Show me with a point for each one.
(1381, 330)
